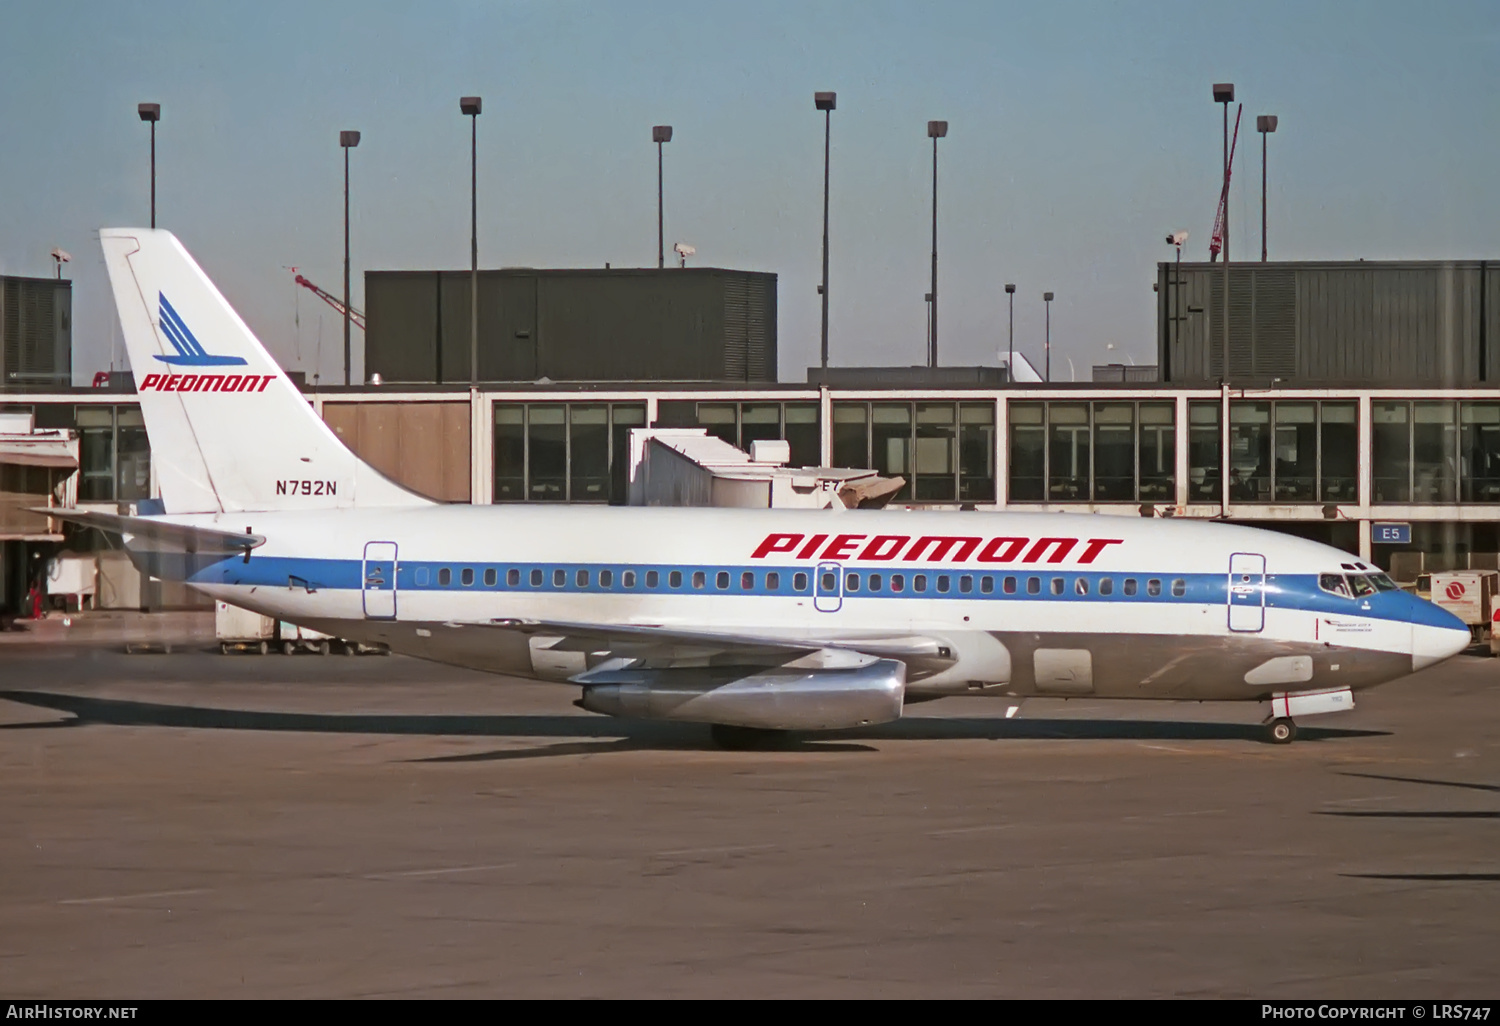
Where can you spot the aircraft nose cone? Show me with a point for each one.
(1432, 643)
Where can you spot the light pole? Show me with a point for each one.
(1010, 359)
(1175, 239)
(935, 131)
(151, 112)
(1047, 299)
(825, 102)
(1265, 124)
(470, 106)
(1224, 94)
(660, 134)
(347, 140)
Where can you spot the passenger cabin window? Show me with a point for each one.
(799, 582)
(965, 584)
(1153, 587)
(943, 583)
(721, 580)
(674, 579)
(830, 581)
(699, 579)
(652, 578)
(512, 577)
(747, 581)
(919, 582)
(1033, 585)
(445, 577)
(898, 582)
(490, 577)
(1106, 586)
(1057, 585)
(1081, 585)
(874, 582)
(1009, 586)
(559, 578)
(606, 578)
(1179, 588)
(851, 582)
(536, 578)
(773, 581)
(627, 579)
(1129, 586)
(466, 575)
(987, 585)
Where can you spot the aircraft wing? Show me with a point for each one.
(666, 644)
(169, 536)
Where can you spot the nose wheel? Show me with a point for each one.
(1281, 731)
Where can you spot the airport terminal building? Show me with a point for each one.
(1361, 409)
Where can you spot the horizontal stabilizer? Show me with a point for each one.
(169, 536)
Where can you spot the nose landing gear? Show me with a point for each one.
(1281, 731)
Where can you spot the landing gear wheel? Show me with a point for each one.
(288, 647)
(264, 647)
(1282, 731)
(741, 739)
(323, 648)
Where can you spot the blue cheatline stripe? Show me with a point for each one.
(1283, 591)
(180, 328)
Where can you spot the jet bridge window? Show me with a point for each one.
(563, 452)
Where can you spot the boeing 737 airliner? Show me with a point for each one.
(750, 620)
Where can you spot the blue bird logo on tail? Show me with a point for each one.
(190, 352)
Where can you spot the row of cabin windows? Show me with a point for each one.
(853, 582)
(628, 579)
(943, 583)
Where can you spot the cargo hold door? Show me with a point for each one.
(1247, 592)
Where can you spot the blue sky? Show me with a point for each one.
(1081, 133)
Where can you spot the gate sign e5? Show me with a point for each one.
(1390, 534)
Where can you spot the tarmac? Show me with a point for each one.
(202, 825)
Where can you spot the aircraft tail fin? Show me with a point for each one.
(228, 429)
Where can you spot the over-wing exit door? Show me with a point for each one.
(1247, 592)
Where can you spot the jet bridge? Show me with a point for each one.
(690, 467)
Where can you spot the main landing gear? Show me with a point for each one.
(1281, 731)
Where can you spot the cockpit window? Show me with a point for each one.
(1384, 583)
(1361, 585)
(1334, 583)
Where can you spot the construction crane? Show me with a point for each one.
(356, 316)
(1216, 242)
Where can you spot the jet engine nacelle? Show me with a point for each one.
(783, 698)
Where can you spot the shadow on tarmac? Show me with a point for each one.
(624, 734)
